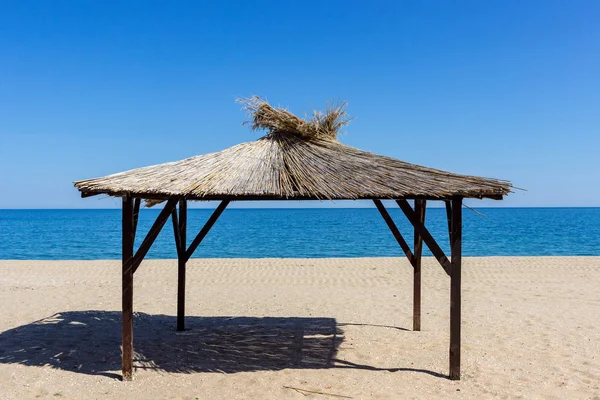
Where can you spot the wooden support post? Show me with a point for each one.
(418, 251)
(127, 288)
(455, 278)
(181, 267)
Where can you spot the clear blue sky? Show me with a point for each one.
(506, 89)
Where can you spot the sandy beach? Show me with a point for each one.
(285, 328)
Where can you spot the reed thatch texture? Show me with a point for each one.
(296, 159)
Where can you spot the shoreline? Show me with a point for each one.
(399, 258)
(320, 207)
(529, 329)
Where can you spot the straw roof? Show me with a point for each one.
(296, 159)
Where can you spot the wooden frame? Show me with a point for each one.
(420, 206)
(180, 231)
(455, 287)
(131, 261)
(127, 288)
(452, 267)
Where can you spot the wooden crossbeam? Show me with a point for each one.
(390, 223)
(136, 215)
(209, 224)
(153, 233)
(183, 222)
(177, 234)
(427, 238)
(233, 197)
(449, 218)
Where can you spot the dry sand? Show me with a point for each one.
(338, 326)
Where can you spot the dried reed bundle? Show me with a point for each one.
(321, 125)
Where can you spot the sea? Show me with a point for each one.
(300, 233)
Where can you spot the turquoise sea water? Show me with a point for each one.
(255, 233)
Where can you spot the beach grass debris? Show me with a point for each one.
(306, 391)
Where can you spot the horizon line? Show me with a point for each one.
(276, 208)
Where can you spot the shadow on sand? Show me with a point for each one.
(89, 342)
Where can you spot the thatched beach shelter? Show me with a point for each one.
(298, 159)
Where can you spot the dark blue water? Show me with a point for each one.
(254, 233)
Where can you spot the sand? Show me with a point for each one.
(337, 326)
